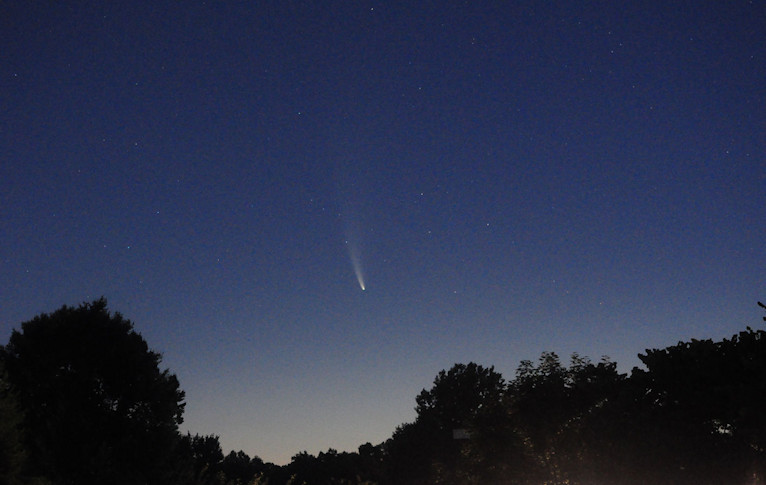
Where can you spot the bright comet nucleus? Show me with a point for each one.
(357, 264)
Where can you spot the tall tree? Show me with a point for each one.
(239, 468)
(556, 413)
(709, 398)
(207, 458)
(459, 395)
(98, 409)
(433, 448)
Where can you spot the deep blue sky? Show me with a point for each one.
(513, 177)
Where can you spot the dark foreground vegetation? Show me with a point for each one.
(84, 401)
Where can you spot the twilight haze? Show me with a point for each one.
(513, 177)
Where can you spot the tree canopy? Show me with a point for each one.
(84, 401)
(98, 409)
(12, 454)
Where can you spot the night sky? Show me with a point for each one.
(503, 178)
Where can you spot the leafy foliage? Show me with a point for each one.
(427, 450)
(83, 401)
(12, 452)
(97, 407)
(694, 414)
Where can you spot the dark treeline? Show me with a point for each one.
(84, 401)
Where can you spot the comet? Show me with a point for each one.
(349, 189)
(361, 281)
(356, 262)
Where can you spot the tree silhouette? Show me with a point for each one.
(97, 407)
(554, 412)
(427, 450)
(207, 457)
(709, 398)
(83, 401)
(239, 468)
(12, 453)
(459, 395)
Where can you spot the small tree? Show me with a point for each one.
(97, 407)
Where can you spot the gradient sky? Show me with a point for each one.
(510, 177)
